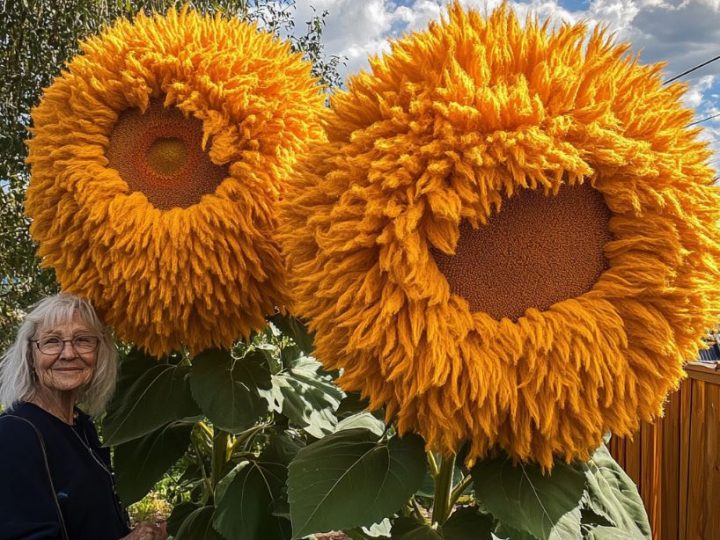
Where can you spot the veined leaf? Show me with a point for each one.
(504, 532)
(613, 495)
(140, 463)
(352, 403)
(294, 329)
(198, 526)
(363, 420)
(132, 366)
(228, 389)
(406, 528)
(464, 524)
(568, 526)
(305, 396)
(178, 516)
(350, 479)
(468, 524)
(245, 502)
(159, 395)
(525, 499)
(610, 533)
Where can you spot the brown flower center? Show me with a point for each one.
(538, 250)
(159, 153)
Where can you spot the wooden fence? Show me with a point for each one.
(676, 462)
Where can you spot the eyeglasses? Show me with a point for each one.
(55, 345)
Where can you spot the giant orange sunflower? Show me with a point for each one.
(509, 237)
(157, 159)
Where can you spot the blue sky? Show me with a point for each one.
(681, 33)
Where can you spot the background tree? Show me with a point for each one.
(38, 37)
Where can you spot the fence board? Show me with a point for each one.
(670, 443)
(676, 462)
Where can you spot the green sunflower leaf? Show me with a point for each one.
(406, 528)
(468, 524)
(132, 366)
(351, 479)
(142, 462)
(305, 395)
(199, 526)
(149, 397)
(179, 514)
(504, 532)
(363, 420)
(294, 329)
(525, 499)
(613, 496)
(228, 389)
(464, 524)
(245, 498)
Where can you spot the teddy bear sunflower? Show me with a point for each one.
(157, 158)
(509, 238)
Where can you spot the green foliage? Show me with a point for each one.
(245, 502)
(464, 524)
(220, 383)
(158, 396)
(295, 330)
(281, 473)
(22, 281)
(145, 460)
(588, 500)
(198, 525)
(305, 395)
(329, 477)
(525, 499)
(611, 495)
(152, 508)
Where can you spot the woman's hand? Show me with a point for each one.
(147, 531)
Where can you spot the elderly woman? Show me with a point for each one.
(57, 477)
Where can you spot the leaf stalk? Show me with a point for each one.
(458, 490)
(219, 455)
(417, 510)
(207, 483)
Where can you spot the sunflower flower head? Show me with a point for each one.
(157, 159)
(509, 237)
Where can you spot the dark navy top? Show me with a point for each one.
(81, 474)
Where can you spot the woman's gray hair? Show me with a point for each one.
(17, 382)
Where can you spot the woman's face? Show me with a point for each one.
(65, 356)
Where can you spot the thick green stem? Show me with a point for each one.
(219, 455)
(443, 489)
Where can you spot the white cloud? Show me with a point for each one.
(695, 95)
(683, 35)
(417, 16)
(353, 29)
(618, 15)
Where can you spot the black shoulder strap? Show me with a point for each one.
(61, 519)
